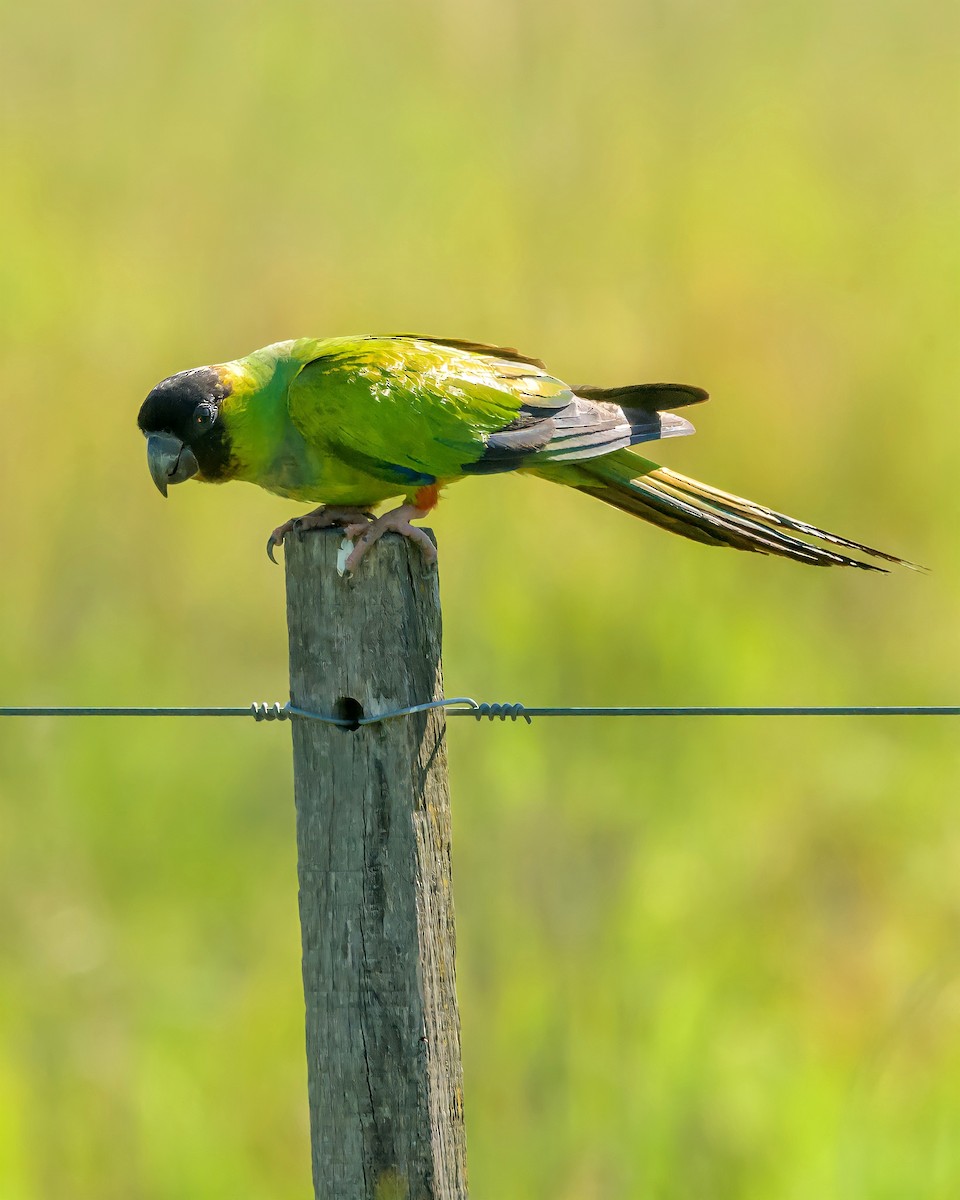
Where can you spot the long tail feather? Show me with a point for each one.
(706, 514)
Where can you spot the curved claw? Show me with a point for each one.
(396, 521)
(325, 517)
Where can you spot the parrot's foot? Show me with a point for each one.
(396, 521)
(324, 517)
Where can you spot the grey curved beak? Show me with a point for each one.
(169, 460)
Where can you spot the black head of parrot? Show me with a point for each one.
(186, 434)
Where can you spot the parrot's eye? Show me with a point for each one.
(203, 418)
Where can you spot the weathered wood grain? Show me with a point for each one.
(376, 907)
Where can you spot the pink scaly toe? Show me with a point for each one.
(396, 521)
(325, 517)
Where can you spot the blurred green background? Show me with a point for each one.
(696, 958)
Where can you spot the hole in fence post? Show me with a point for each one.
(348, 709)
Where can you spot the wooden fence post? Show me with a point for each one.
(376, 906)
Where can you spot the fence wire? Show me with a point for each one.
(465, 706)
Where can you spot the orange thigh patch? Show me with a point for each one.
(426, 497)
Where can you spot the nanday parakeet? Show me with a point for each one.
(351, 422)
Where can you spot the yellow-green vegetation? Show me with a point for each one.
(697, 958)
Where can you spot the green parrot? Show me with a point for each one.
(351, 422)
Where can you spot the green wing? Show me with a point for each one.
(410, 410)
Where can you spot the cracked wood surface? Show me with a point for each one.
(376, 906)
